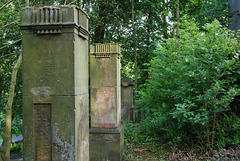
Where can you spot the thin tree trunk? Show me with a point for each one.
(7, 134)
(135, 55)
(165, 23)
(5, 4)
(213, 129)
(177, 16)
(165, 34)
(83, 3)
(134, 44)
(208, 136)
(27, 3)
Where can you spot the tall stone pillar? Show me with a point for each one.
(55, 83)
(127, 99)
(106, 132)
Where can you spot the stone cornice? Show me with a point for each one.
(52, 19)
(105, 50)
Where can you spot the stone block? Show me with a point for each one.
(127, 96)
(106, 144)
(125, 112)
(105, 107)
(104, 72)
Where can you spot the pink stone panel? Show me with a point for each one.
(104, 110)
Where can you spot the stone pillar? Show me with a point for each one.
(234, 11)
(55, 83)
(106, 133)
(127, 100)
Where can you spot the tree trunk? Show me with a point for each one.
(101, 23)
(135, 55)
(27, 3)
(7, 134)
(165, 23)
(177, 16)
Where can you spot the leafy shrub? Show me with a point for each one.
(132, 139)
(17, 148)
(228, 130)
(193, 80)
(132, 134)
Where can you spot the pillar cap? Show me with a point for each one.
(127, 82)
(51, 19)
(105, 50)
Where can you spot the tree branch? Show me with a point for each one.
(9, 24)
(5, 4)
(8, 55)
(11, 44)
(72, 2)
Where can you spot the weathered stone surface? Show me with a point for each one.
(105, 65)
(55, 20)
(43, 138)
(106, 144)
(105, 107)
(105, 85)
(127, 97)
(125, 112)
(55, 83)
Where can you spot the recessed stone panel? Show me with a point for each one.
(43, 134)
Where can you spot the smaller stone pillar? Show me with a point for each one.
(234, 7)
(128, 112)
(106, 132)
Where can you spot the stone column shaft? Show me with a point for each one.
(105, 85)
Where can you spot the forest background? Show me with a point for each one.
(180, 54)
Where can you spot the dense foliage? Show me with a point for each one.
(193, 80)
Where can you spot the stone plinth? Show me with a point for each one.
(55, 83)
(106, 144)
(106, 133)
(127, 98)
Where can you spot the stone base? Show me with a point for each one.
(106, 144)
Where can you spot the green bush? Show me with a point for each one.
(228, 130)
(17, 148)
(193, 80)
(132, 139)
